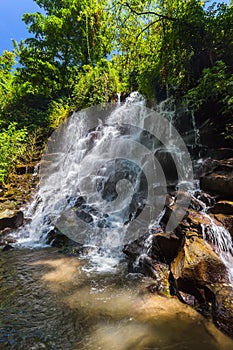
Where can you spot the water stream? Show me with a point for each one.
(55, 302)
(49, 301)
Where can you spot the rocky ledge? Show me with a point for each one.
(189, 266)
(188, 259)
(185, 263)
(14, 195)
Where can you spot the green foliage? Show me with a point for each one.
(83, 52)
(169, 43)
(6, 78)
(215, 86)
(71, 34)
(96, 85)
(58, 111)
(12, 146)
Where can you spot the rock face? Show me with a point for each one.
(218, 178)
(187, 265)
(223, 207)
(199, 271)
(11, 219)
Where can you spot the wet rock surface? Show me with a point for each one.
(180, 262)
(218, 178)
(10, 219)
(195, 273)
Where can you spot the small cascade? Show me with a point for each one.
(167, 109)
(221, 239)
(218, 236)
(195, 130)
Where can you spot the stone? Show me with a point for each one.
(7, 248)
(11, 219)
(165, 246)
(226, 221)
(26, 168)
(221, 153)
(198, 263)
(200, 272)
(223, 207)
(208, 200)
(219, 178)
(192, 224)
(57, 239)
(136, 248)
(222, 310)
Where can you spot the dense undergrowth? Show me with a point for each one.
(78, 54)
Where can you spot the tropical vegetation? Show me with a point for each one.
(80, 53)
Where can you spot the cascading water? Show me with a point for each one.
(218, 236)
(95, 180)
(97, 175)
(222, 241)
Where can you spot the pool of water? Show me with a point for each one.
(51, 301)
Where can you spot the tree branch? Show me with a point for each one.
(153, 13)
(148, 26)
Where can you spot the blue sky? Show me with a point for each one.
(11, 25)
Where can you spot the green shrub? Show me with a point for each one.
(12, 145)
(96, 85)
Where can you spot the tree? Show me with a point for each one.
(6, 77)
(169, 43)
(69, 35)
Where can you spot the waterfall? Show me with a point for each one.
(104, 177)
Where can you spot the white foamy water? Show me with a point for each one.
(97, 148)
(220, 237)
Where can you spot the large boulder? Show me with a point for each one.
(199, 271)
(11, 219)
(223, 213)
(223, 207)
(160, 246)
(226, 221)
(218, 178)
(222, 310)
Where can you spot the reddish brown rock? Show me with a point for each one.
(199, 271)
(223, 207)
(165, 246)
(226, 221)
(219, 180)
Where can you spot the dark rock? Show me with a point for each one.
(166, 159)
(192, 224)
(219, 179)
(7, 248)
(221, 153)
(165, 246)
(222, 310)
(223, 207)
(207, 199)
(57, 239)
(25, 168)
(11, 219)
(136, 248)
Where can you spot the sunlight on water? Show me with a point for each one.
(50, 301)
